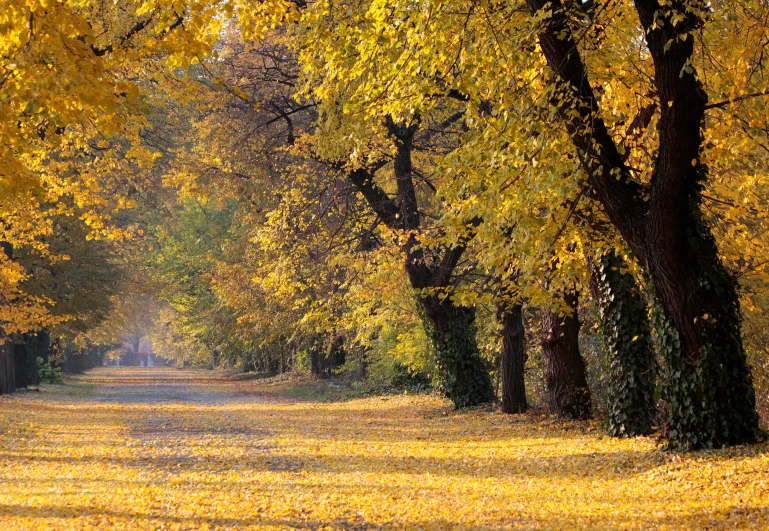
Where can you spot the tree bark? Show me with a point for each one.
(706, 386)
(513, 360)
(21, 366)
(629, 353)
(7, 366)
(565, 377)
(38, 345)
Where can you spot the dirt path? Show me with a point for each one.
(159, 386)
(166, 449)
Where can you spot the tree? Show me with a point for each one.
(663, 224)
(649, 183)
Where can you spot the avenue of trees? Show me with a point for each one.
(560, 204)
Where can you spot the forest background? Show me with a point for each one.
(554, 204)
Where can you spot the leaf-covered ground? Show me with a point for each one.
(168, 449)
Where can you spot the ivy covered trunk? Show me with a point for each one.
(513, 360)
(565, 377)
(628, 349)
(706, 383)
(459, 370)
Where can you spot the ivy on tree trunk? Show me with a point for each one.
(460, 371)
(629, 353)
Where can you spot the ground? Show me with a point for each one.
(170, 449)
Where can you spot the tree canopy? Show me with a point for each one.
(460, 193)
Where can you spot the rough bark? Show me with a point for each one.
(628, 350)
(707, 386)
(513, 360)
(565, 377)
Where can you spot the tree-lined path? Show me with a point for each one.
(170, 449)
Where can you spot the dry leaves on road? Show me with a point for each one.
(212, 455)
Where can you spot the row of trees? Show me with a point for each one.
(418, 188)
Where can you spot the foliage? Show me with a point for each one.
(48, 374)
(249, 184)
(630, 359)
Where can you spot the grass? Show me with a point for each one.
(71, 387)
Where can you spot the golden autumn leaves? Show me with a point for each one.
(205, 453)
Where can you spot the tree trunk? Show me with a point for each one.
(460, 372)
(7, 366)
(315, 367)
(335, 355)
(317, 357)
(20, 363)
(628, 349)
(38, 345)
(513, 360)
(706, 383)
(565, 377)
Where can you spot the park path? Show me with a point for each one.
(167, 449)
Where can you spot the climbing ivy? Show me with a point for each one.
(628, 351)
(709, 400)
(459, 370)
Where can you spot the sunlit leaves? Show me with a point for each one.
(241, 455)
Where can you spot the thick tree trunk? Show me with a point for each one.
(460, 371)
(706, 384)
(7, 366)
(629, 352)
(565, 377)
(513, 360)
